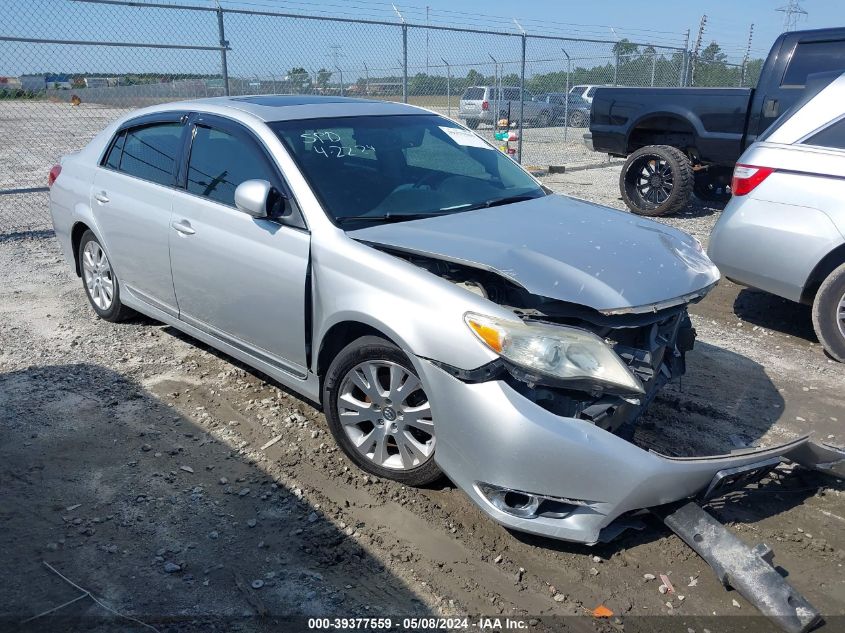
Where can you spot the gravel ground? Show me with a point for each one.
(138, 463)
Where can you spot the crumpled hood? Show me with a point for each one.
(563, 248)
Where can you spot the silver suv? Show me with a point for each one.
(480, 103)
(783, 230)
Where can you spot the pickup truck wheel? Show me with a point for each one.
(379, 412)
(713, 185)
(471, 124)
(829, 314)
(656, 180)
(543, 119)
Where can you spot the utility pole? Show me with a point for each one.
(746, 56)
(792, 12)
(336, 55)
(701, 27)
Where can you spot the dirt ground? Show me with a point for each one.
(138, 463)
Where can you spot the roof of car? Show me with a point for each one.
(291, 107)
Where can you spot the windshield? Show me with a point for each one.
(372, 169)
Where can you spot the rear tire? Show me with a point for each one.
(379, 413)
(472, 123)
(713, 184)
(656, 180)
(829, 314)
(100, 281)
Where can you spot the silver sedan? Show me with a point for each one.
(784, 229)
(450, 313)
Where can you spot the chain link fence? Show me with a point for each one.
(62, 81)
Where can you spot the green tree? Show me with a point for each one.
(300, 79)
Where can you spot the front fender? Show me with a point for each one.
(422, 313)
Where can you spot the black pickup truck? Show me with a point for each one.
(683, 140)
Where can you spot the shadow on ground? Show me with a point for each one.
(775, 313)
(159, 519)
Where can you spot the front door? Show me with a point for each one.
(239, 278)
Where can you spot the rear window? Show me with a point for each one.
(814, 57)
(147, 152)
(473, 94)
(831, 136)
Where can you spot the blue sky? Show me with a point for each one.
(269, 47)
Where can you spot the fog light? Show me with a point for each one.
(527, 505)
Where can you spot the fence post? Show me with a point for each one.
(224, 66)
(682, 80)
(521, 100)
(405, 63)
(448, 88)
(616, 69)
(566, 103)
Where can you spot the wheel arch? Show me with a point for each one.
(76, 233)
(826, 265)
(663, 128)
(341, 334)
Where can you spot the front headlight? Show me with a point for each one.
(567, 355)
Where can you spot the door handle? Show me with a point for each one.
(101, 197)
(183, 226)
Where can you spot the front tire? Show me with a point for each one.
(543, 119)
(99, 280)
(577, 119)
(472, 124)
(379, 414)
(829, 314)
(656, 180)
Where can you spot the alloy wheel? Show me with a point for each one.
(97, 273)
(840, 316)
(653, 179)
(386, 415)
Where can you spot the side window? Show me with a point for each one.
(528, 96)
(813, 57)
(220, 162)
(511, 94)
(116, 151)
(150, 152)
(831, 136)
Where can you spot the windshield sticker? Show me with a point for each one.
(464, 137)
(330, 145)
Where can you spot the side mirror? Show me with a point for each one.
(251, 197)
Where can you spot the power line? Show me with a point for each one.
(792, 12)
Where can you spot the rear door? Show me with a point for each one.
(238, 278)
(132, 196)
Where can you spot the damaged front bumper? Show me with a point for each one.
(565, 478)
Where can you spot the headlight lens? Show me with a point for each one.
(565, 354)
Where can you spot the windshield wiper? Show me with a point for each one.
(387, 217)
(496, 202)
